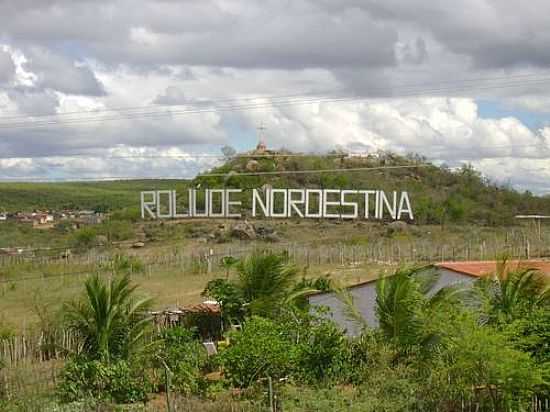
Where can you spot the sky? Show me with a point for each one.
(88, 86)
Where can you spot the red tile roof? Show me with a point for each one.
(483, 268)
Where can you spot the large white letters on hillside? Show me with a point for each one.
(277, 203)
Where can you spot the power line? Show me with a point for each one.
(186, 156)
(282, 103)
(154, 106)
(527, 76)
(228, 175)
(192, 156)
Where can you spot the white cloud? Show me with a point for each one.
(121, 53)
(7, 67)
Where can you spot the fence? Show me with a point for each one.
(329, 253)
(40, 347)
(29, 379)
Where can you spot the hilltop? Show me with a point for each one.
(438, 195)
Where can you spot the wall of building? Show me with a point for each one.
(364, 297)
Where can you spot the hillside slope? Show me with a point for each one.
(438, 195)
(110, 195)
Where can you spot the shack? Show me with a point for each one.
(205, 317)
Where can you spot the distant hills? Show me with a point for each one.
(438, 195)
(101, 196)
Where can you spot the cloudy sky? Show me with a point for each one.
(86, 86)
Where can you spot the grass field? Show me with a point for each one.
(21, 301)
(180, 284)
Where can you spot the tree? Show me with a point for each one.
(481, 363)
(108, 319)
(228, 152)
(263, 348)
(265, 282)
(405, 303)
(509, 292)
(229, 297)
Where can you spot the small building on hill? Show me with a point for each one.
(450, 273)
(261, 148)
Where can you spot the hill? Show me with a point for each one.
(438, 195)
(109, 195)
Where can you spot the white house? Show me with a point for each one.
(364, 294)
(3, 217)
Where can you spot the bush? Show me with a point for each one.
(230, 297)
(263, 348)
(129, 214)
(117, 230)
(322, 354)
(85, 237)
(120, 381)
(127, 264)
(185, 357)
(506, 378)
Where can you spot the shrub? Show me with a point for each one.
(230, 297)
(263, 348)
(127, 264)
(185, 357)
(494, 363)
(85, 237)
(120, 381)
(322, 354)
(118, 230)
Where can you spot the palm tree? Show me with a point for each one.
(405, 303)
(509, 291)
(265, 280)
(108, 320)
(398, 304)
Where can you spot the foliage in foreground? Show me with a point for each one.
(182, 356)
(108, 319)
(120, 381)
(431, 352)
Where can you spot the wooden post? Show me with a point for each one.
(271, 403)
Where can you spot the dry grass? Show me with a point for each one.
(171, 285)
(21, 300)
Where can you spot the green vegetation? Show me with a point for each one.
(108, 319)
(98, 196)
(450, 350)
(482, 350)
(110, 324)
(438, 194)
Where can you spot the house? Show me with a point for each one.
(3, 217)
(205, 317)
(88, 217)
(450, 273)
(36, 219)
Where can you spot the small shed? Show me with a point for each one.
(205, 316)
